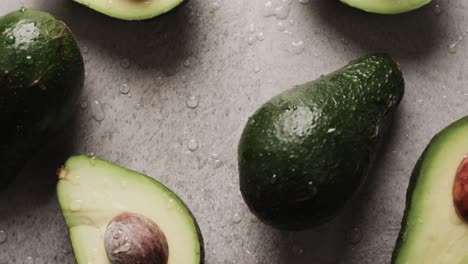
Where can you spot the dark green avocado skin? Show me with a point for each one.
(41, 76)
(304, 153)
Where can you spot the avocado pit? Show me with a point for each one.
(135, 239)
(460, 190)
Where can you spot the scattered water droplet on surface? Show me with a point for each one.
(29, 260)
(124, 88)
(22, 9)
(85, 50)
(251, 28)
(354, 236)
(251, 40)
(83, 104)
(3, 236)
(256, 69)
(304, 1)
(29, 59)
(297, 47)
(260, 36)
(192, 145)
(437, 9)
(331, 130)
(452, 48)
(214, 7)
(192, 102)
(138, 106)
(10, 40)
(236, 218)
(97, 111)
(125, 63)
(187, 63)
(281, 27)
(183, 78)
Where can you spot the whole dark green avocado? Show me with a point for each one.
(304, 153)
(41, 76)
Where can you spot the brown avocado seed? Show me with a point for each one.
(135, 239)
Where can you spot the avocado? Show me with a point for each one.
(386, 6)
(41, 77)
(434, 227)
(304, 153)
(117, 214)
(131, 9)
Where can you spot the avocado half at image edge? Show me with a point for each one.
(95, 195)
(132, 9)
(305, 152)
(388, 7)
(41, 78)
(435, 223)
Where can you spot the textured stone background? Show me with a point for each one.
(231, 73)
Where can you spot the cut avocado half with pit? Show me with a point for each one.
(387, 6)
(131, 9)
(99, 199)
(434, 228)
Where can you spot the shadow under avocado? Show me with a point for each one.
(411, 35)
(160, 44)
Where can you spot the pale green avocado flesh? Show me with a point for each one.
(131, 9)
(432, 231)
(387, 6)
(92, 192)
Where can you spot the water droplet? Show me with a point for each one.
(123, 184)
(354, 236)
(214, 7)
(22, 9)
(192, 102)
(97, 111)
(183, 78)
(281, 27)
(76, 205)
(251, 40)
(124, 88)
(10, 40)
(138, 106)
(85, 50)
(256, 69)
(452, 48)
(236, 218)
(292, 22)
(3, 236)
(83, 104)
(187, 63)
(125, 63)
(29, 260)
(192, 145)
(304, 1)
(331, 130)
(280, 12)
(159, 81)
(29, 59)
(437, 9)
(297, 47)
(260, 36)
(251, 28)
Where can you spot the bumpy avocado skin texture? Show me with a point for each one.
(304, 153)
(41, 76)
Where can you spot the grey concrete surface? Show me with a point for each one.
(210, 51)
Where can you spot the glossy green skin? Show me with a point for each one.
(304, 153)
(41, 76)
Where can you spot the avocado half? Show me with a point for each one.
(387, 6)
(93, 192)
(433, 227)
(131, 9)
